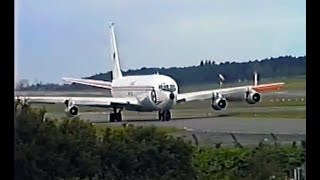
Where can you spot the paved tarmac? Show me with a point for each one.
(218, 129)
(209, 126)
(226, 124)
(212, 123)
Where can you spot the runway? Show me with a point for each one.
(233, 124)
(217, 128)
(225, 124)
(209, 126)
(207, 120)
(248, 131)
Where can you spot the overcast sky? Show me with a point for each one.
(70, 38)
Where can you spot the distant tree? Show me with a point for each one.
(23, 83)
(284, 66)
(201, 63)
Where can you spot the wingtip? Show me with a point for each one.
(66, 78)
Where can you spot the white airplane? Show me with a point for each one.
(147, 93)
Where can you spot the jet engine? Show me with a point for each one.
(218, 102)
(72, 109)
(253, 97)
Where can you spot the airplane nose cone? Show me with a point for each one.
(171, 96)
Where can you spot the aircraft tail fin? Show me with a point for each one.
(116, 71)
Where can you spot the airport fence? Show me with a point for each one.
(298, 173)
(239, 139)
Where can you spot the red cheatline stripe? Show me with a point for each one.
(95, 83)
(132, 87)
(268, 88)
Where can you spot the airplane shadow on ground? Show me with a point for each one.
(174, 119)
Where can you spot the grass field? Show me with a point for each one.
(264, 103)
(298, 83)
(292, 83)
(275, 114)
(101, 128)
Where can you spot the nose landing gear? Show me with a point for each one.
(164, 115)
(115, 116)
(171, 96)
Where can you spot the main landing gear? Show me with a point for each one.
(115, 116)
(164, 115)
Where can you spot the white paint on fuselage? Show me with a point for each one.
(141, 87)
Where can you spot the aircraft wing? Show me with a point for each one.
(207, 94)
(83, 101)
(90, 82)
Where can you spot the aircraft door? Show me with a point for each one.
(153, 96)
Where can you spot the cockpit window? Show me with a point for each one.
(166, 87)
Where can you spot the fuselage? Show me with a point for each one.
(154, 92)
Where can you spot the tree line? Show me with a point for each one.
(206, 72)
(75, 149)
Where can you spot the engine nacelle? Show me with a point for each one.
(218, 102)
(72, 110)
(253, 97)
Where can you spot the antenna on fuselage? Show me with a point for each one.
(221, 79)
(255, 78)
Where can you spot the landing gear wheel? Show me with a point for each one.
(160, 115)
(118, 117)
(112, 117)
(115, 116)
(164, 115)
(168, 116)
